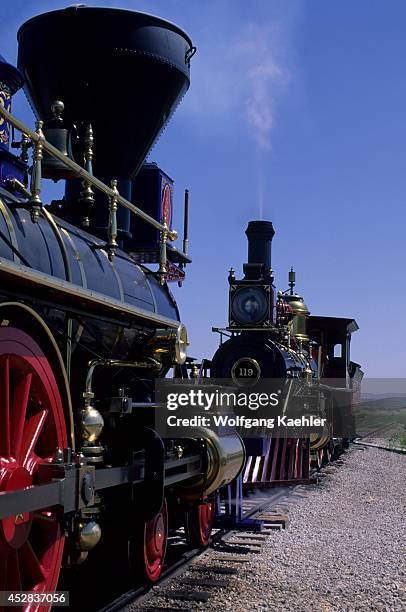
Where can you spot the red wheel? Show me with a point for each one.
(32, 426)
(149, 546)
(199, 523)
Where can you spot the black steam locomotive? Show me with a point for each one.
(86, 326)
(273, 336)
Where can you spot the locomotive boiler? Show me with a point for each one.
(273, 336)
(86, 326)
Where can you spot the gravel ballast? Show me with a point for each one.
(344, 548)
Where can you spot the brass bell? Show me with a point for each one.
(59, 136)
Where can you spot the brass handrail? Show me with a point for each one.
(81, 172)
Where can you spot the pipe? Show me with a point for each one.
(186, 223)
(115, 363)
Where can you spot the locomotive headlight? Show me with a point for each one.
(169, 345)
(249, 305)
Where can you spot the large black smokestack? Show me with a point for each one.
(259, 234)
(122, 71)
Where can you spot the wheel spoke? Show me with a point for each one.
(32, 431)
(19, 411)
(4, 553)
(13, 572)
(31, 564)
(32, 425)
(5, 407)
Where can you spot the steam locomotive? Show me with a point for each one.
(87, 322)
(273, 336)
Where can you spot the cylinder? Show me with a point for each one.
(225, 460)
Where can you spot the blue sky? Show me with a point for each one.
(296, 112)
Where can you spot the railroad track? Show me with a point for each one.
(232, 547)
(382, 433)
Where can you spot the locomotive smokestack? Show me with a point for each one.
(121, 71)
(260, 234)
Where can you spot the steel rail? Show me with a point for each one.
(401, 450)
(141, 594)
(81, 172)
(374, 435)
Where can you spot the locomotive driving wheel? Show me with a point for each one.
(149, 546)
(199, 523)
(32, 426)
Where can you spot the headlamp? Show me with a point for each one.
(249, 306)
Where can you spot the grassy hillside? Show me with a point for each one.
(389, 412)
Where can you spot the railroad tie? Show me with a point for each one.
(214, 569)
(275, 519)
(227, 559)
(247, 543)
(253, 536)
(206, 582)
(273, 527)
(162, 609)
(202, 596)
(234, 550)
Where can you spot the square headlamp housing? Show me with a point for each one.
(250, 305)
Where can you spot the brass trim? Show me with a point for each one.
(51, 221)
(77, 257)
(68, 274)
(82, 270)
(152, 293)
(11, 231)
(116, 274)
(120, 330)
(81, 172)
(249, 381)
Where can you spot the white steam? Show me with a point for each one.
(264, 79)
(239, 80)
(260, 107)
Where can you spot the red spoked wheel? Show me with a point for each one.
(32, 426)
(199, 523)
(149, 546)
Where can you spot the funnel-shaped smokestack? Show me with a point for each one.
(123, 72)
(260, 234)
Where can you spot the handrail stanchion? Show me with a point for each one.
(87, 194)
(112, 227)
(36, 174)
(81, 172)
(162, 256)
